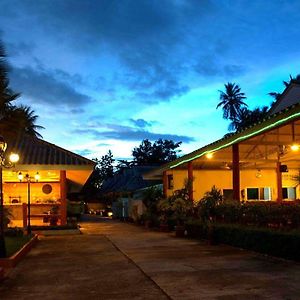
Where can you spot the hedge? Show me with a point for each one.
(263, 240)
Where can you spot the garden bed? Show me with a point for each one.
(17, 248)
(57, 230)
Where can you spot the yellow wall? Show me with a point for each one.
(222, 179)
(14, 189)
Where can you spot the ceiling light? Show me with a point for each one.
(209, 155)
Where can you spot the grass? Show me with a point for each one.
(14, 244)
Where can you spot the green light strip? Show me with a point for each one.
(237, 140)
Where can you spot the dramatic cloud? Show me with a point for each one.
(43, 87)
(126, 133)
(128, 62)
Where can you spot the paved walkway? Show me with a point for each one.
(113, 260)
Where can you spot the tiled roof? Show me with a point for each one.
(34, 151)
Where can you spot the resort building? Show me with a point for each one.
(43, 176)
(259, 163)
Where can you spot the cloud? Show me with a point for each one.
(141, 123)
(83, 152)
(77, 110)
(43, 87)
(212, 66)
(20, 48)
(126, 133)
(146, 39)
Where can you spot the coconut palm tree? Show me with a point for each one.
(23, 119)
(248, 117)
(7, 96)
(14, 120)
(231, 101)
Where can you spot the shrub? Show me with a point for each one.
(13, 232)
(207, 205)
(264, 240)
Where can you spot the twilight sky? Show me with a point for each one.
(105, 74)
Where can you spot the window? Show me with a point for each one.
(170, 182)
(289, 193)
(252, 194)
(259, 193)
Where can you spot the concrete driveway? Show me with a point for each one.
(113, 260)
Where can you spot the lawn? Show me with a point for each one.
(14, 244)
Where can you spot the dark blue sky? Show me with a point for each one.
(106, 74)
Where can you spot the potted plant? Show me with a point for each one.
(53, 217)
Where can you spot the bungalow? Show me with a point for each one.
(49, 173)
(259, 163)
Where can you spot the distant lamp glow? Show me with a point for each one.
(209, 155)
(14, 157)
(37, 176)
(20, 176)
(295, 147)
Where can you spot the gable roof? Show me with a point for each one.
(34, 151)
(289, 97)
(274, 121)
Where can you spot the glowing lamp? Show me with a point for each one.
(20, 176)
(14, 157)
(209, 155)
(37, 176)
(295, 147)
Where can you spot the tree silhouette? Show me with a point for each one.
(231, 101)
(160, 152)
(248, 118)
(14, 120)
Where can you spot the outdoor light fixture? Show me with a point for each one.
(13, 158)
(209, 155)
(28, 180)
(295, 147)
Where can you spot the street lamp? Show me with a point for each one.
(13, 158)
(28, 179)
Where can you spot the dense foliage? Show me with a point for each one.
(158, 152)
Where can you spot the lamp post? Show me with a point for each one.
(28, 180)
(13, 158)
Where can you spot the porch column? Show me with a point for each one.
(190, 181)
(63, 197)
(236, 172)
(165, 184)
(24, 209)
(279, 182)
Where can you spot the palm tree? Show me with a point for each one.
(14, 120)
(7, 96)
(23, 119)
(248, 117)
(232, 101)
